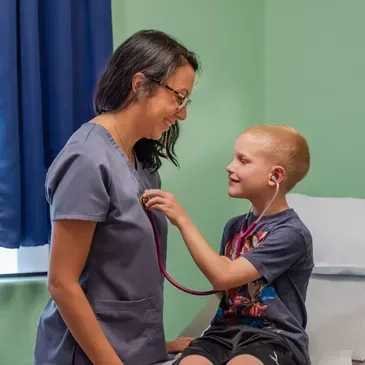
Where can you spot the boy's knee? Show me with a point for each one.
(195, 360)
(245, 360)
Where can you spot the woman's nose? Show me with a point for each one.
(181, 114)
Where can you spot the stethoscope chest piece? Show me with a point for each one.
(144, 202)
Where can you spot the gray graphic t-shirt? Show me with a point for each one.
(281, 250)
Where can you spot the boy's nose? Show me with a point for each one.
(229, 168)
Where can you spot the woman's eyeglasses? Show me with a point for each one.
(183, 100)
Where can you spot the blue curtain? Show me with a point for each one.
(51, 55)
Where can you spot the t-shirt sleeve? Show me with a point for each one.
(77, 185)
(281, 250)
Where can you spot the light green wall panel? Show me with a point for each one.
(315, 81)
(228, 37)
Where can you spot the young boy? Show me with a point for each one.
(262, 317)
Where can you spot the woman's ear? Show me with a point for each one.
(138, 81)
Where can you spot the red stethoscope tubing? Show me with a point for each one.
(163, 270)
(244, 234)
(151, 216)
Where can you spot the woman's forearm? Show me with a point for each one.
(83, 325)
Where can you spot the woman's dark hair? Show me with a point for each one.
(156, 55)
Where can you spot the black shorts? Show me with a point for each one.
(219, 344)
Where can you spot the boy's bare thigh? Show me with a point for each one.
(239, 345)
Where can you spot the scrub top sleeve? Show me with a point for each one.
(77, 185)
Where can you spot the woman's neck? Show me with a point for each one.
(123, 127)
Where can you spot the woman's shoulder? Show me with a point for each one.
(83, 154)
(90, 137)
(87, 143)
(77, 182)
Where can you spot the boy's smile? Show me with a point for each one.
(250, 168)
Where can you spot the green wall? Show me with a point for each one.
(228, 38)
(282, 61)
(21, 303)
(285, 61)
(315, 81)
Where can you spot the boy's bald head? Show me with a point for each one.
(287, 147)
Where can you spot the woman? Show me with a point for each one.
(106, 303)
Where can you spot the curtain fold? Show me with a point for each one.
(51, 55)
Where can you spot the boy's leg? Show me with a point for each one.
(262, 358)
(202, 352)
(245, 360)
(257, 347)
(195, 360)
(213, 348)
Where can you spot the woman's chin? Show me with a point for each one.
(156, 135)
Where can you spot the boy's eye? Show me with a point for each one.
(244, 161)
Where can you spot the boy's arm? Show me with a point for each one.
(222, 273)
(282, 249)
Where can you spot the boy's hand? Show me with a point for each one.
(166, 203)
(178, 345)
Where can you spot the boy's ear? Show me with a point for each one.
(279, 173)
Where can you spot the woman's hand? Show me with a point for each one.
(178, 345)
(166, 203)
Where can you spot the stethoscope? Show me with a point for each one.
(238, 244)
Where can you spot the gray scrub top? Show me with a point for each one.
(91, 179)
